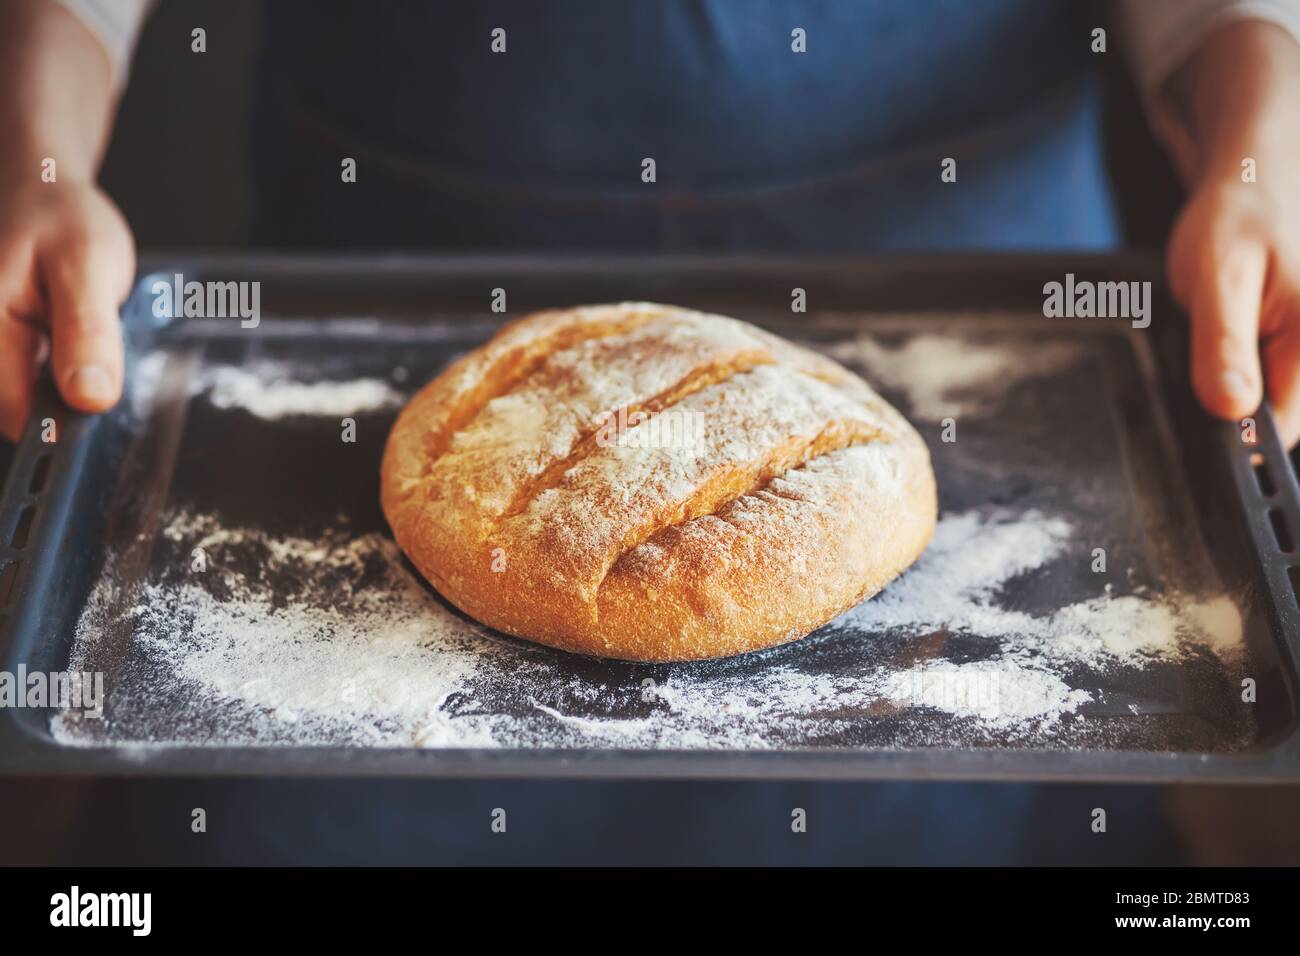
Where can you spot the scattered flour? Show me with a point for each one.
(392, 653)
(947, 376)
(330, 641)
(973, 555)
(363, 654)
(268, 390)
(998, 693)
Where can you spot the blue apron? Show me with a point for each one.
(756, 147)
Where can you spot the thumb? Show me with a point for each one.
(86, 281)
(1223, 291)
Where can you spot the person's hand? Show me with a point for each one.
(1234, 264)
(1234, 255)
(66, 263)
(66, 254)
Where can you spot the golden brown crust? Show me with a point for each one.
(650, 483)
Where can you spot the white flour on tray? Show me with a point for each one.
(948, 376)
(363, 654)
(275, 395)
(385, 663)
(270, 390)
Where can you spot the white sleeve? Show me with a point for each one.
(116, 24)
(1161, 34)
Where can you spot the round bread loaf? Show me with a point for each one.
(650, 483)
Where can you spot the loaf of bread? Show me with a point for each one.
(650, 483)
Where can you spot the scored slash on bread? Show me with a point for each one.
(801, 493)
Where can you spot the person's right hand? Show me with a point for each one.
(67, 258)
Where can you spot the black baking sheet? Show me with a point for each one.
(1089, 441)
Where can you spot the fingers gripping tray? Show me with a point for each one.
(1109, 594)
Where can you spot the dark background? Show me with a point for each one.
(179, 166)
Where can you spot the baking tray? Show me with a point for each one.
(1113, 440)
